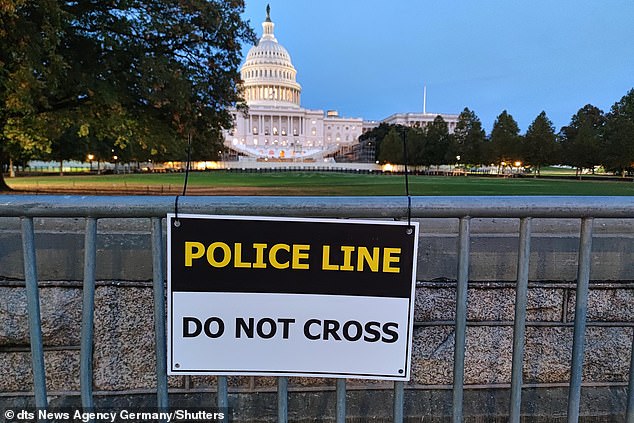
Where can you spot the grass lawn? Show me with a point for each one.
(557, 171)
(313, 183)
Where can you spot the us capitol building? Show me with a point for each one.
(278, 128)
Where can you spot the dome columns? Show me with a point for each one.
(276, 93)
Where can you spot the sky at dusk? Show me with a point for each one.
(370, 59)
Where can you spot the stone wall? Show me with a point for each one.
(124, 339)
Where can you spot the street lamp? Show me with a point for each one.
(90, 159)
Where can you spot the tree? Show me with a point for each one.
(505, 139)
(436, 149)
(581, 140)
(70, 146)
(619, 135)
(142, 73)
(392, 147)
(415, 140)
(540, 143)
(376, 135)
(469, 138)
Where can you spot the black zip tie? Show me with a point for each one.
(409, 198)
(187, 165)
(176, 222)
(409, 210)
(189, 155)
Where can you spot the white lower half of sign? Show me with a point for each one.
(289, 335)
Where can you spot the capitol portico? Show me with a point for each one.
(276, 126)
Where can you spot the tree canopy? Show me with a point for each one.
(140, 75)
(391, 147)
(470, 138)
(437, 148)
(581, 141)
(506, 139)
(539, 143)
(619, 135)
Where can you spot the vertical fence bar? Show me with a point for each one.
(159, 314)
(630, 391)
(521, 293)
(341, 400)
(282, 399)
(223, 392)
(399, 401)
(88, 313)
(33, 306)
(581, 310)
(461, 319)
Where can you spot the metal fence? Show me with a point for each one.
(463, 208)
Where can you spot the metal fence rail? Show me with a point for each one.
(462, 208)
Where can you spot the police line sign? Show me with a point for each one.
(290, 297)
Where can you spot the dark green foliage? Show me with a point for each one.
(392, 147)
(619, 136)
(505, 139)
(415, 141)
(539, 143)
(437, 145)
(581, 140)
(138, 75)
(376, 135)
(69, 146)
(470, 138)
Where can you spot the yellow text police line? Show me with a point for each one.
(294, 256)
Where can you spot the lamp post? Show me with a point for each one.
(90, 159)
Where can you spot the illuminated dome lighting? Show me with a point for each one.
(268, 75)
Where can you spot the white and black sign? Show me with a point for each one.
(290, 297)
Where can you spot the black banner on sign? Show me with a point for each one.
(291, 256)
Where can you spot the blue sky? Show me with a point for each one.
(372, 58)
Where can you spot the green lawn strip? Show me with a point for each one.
(325, 183)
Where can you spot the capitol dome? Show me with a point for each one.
(268, 74)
